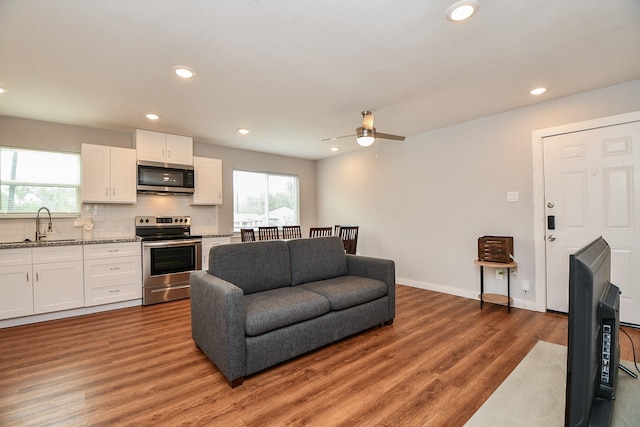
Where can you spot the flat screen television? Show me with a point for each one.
(593, 352)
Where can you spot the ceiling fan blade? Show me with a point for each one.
(389, 136)
(367, 120)
(337, 137)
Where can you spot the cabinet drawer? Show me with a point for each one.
(57, 254)
(110, 294)
(111, 271)
(11, 257)
(112, 250)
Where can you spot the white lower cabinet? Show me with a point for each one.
(57, 278)
(207, 244)
(16, 284)
(54, 278)
(112, 273)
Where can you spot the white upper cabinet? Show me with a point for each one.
(108, 174)
(208, 181)
(164, 147)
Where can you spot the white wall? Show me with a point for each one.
(425, 202)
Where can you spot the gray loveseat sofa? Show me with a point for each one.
(261, 303)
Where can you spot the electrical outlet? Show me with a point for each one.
(499, 274)
(526, 286)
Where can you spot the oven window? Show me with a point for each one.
(175, 259)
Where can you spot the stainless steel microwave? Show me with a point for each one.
(165, 178)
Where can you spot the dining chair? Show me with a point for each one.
(349, 236)
(248, 235)
(291, 232)
(268, 233)
(319, 231)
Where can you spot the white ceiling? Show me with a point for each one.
(297, 71)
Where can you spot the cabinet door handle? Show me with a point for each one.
(114, 268)
(113, 191)
(27, 277)
(106, 191)
(114, 291)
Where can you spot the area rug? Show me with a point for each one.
(534, 394)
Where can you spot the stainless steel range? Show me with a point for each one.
(169, 253)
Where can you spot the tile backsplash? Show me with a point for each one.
(113, 220)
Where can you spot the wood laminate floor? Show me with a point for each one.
(435, 366)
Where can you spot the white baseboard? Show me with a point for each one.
(518, 303)
(26, 320)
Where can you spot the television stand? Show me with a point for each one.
(627, 371)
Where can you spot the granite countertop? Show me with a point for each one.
(70, 242)
(204, 236)
(65, 242)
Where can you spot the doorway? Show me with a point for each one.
(590, 187)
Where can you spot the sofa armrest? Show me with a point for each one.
(217, 322)
(376, 268)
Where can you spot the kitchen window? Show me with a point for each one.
(264, 199)
(30, 179)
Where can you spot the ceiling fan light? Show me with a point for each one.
(366, 141)
(365, 137)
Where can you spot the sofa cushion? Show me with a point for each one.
(252, 266)
(348, 291)
(316, 258)
(269, 310)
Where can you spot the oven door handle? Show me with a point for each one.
(168, 243)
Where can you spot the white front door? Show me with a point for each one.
(592, 189)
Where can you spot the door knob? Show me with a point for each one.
(551, 238)
(550, 205)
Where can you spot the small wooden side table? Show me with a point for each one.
(496, 298)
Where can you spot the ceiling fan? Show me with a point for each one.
(366, 134)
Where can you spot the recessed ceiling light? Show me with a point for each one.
(3, 90)
(153, 116)
(243, 131)
(335, 149)
(461, 10)
(538, 91)
(184, 72)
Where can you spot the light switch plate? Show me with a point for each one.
(512, 196)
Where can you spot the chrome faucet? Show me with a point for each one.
(50, 228)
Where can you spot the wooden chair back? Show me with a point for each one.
(349, 236)
(247, 235)
(291, 232)
(319, 231)
(268, 233)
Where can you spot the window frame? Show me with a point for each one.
(77, 186)
(296, 208)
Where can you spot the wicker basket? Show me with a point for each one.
(495, 249)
